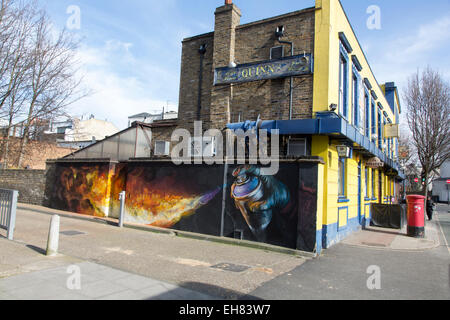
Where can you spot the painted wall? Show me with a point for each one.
(81, 187)
(342, 216)
(249, 205)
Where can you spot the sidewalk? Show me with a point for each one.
(29, 275)
(226, 271)
(397, 240)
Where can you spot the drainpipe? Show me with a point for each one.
(291, 85)
(202, 51)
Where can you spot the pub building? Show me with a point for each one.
(303, 75)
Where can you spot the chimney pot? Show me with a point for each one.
(228, 1)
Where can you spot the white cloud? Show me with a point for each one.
(120, 93)
(427, 38)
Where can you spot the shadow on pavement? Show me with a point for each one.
(386, 231)
(36, 249)
(205, 291)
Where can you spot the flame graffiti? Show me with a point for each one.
(84, 190)
(166, 210)
(153, 198)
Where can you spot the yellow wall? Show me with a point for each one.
(330, 20)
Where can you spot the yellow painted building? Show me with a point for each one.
(344, 84)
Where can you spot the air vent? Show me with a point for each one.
(276, 52)
(297, 148)
(162, 148)
(205, 147)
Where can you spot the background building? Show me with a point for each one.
(150, 118)
(441, 189)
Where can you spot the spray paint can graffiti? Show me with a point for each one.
(247, 191)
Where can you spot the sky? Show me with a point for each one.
(130, 53)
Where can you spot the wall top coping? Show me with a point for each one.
(105, 160)
(254, 23)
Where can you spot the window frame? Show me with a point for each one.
(343, 82)
(366, 174)
(367, 109)
(342, 172)
(355, 98)
(373, 184)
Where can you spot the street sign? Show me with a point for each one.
(391, 131)
(448, 181)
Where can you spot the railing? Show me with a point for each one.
(8, 206)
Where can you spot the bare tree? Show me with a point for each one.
(53, 80)
(428, 102)
(15, 26)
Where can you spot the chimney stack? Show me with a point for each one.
(228, 1)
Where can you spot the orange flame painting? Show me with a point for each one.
(164, 201)
(84, 189)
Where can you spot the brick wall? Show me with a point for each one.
(244, 44)
(36, 153)
(29, 183)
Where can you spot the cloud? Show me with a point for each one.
(122, 85)
(404, 54)
(427, 38)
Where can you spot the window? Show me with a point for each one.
(380, 135)
(341, 178)
(367, 181)
(297, 147)
(374, 125)
(343, 86)
(367, 107)
(373, 184)
(355, 97)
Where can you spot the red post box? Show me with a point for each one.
(416, 216)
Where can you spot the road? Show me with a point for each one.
(443, 218)
(341, 273)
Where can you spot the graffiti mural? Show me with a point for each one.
(272, 209)
(258, 197)
(82, 188)
(184, 198)
(250, 205)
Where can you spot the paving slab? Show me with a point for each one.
(392, 239)
(48, 279)
(183, 262)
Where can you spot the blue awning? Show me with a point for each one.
(325, 124)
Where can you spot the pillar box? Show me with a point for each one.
(416, 216)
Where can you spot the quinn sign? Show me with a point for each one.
(285, 67)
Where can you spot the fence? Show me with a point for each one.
(8, 206)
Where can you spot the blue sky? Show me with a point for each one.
(131, 49)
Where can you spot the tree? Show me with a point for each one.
(39, 75)
(15, 27)
(53, 84)
(427, 98)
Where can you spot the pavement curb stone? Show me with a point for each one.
(176, 233)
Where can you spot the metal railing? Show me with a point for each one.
(8, 206)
